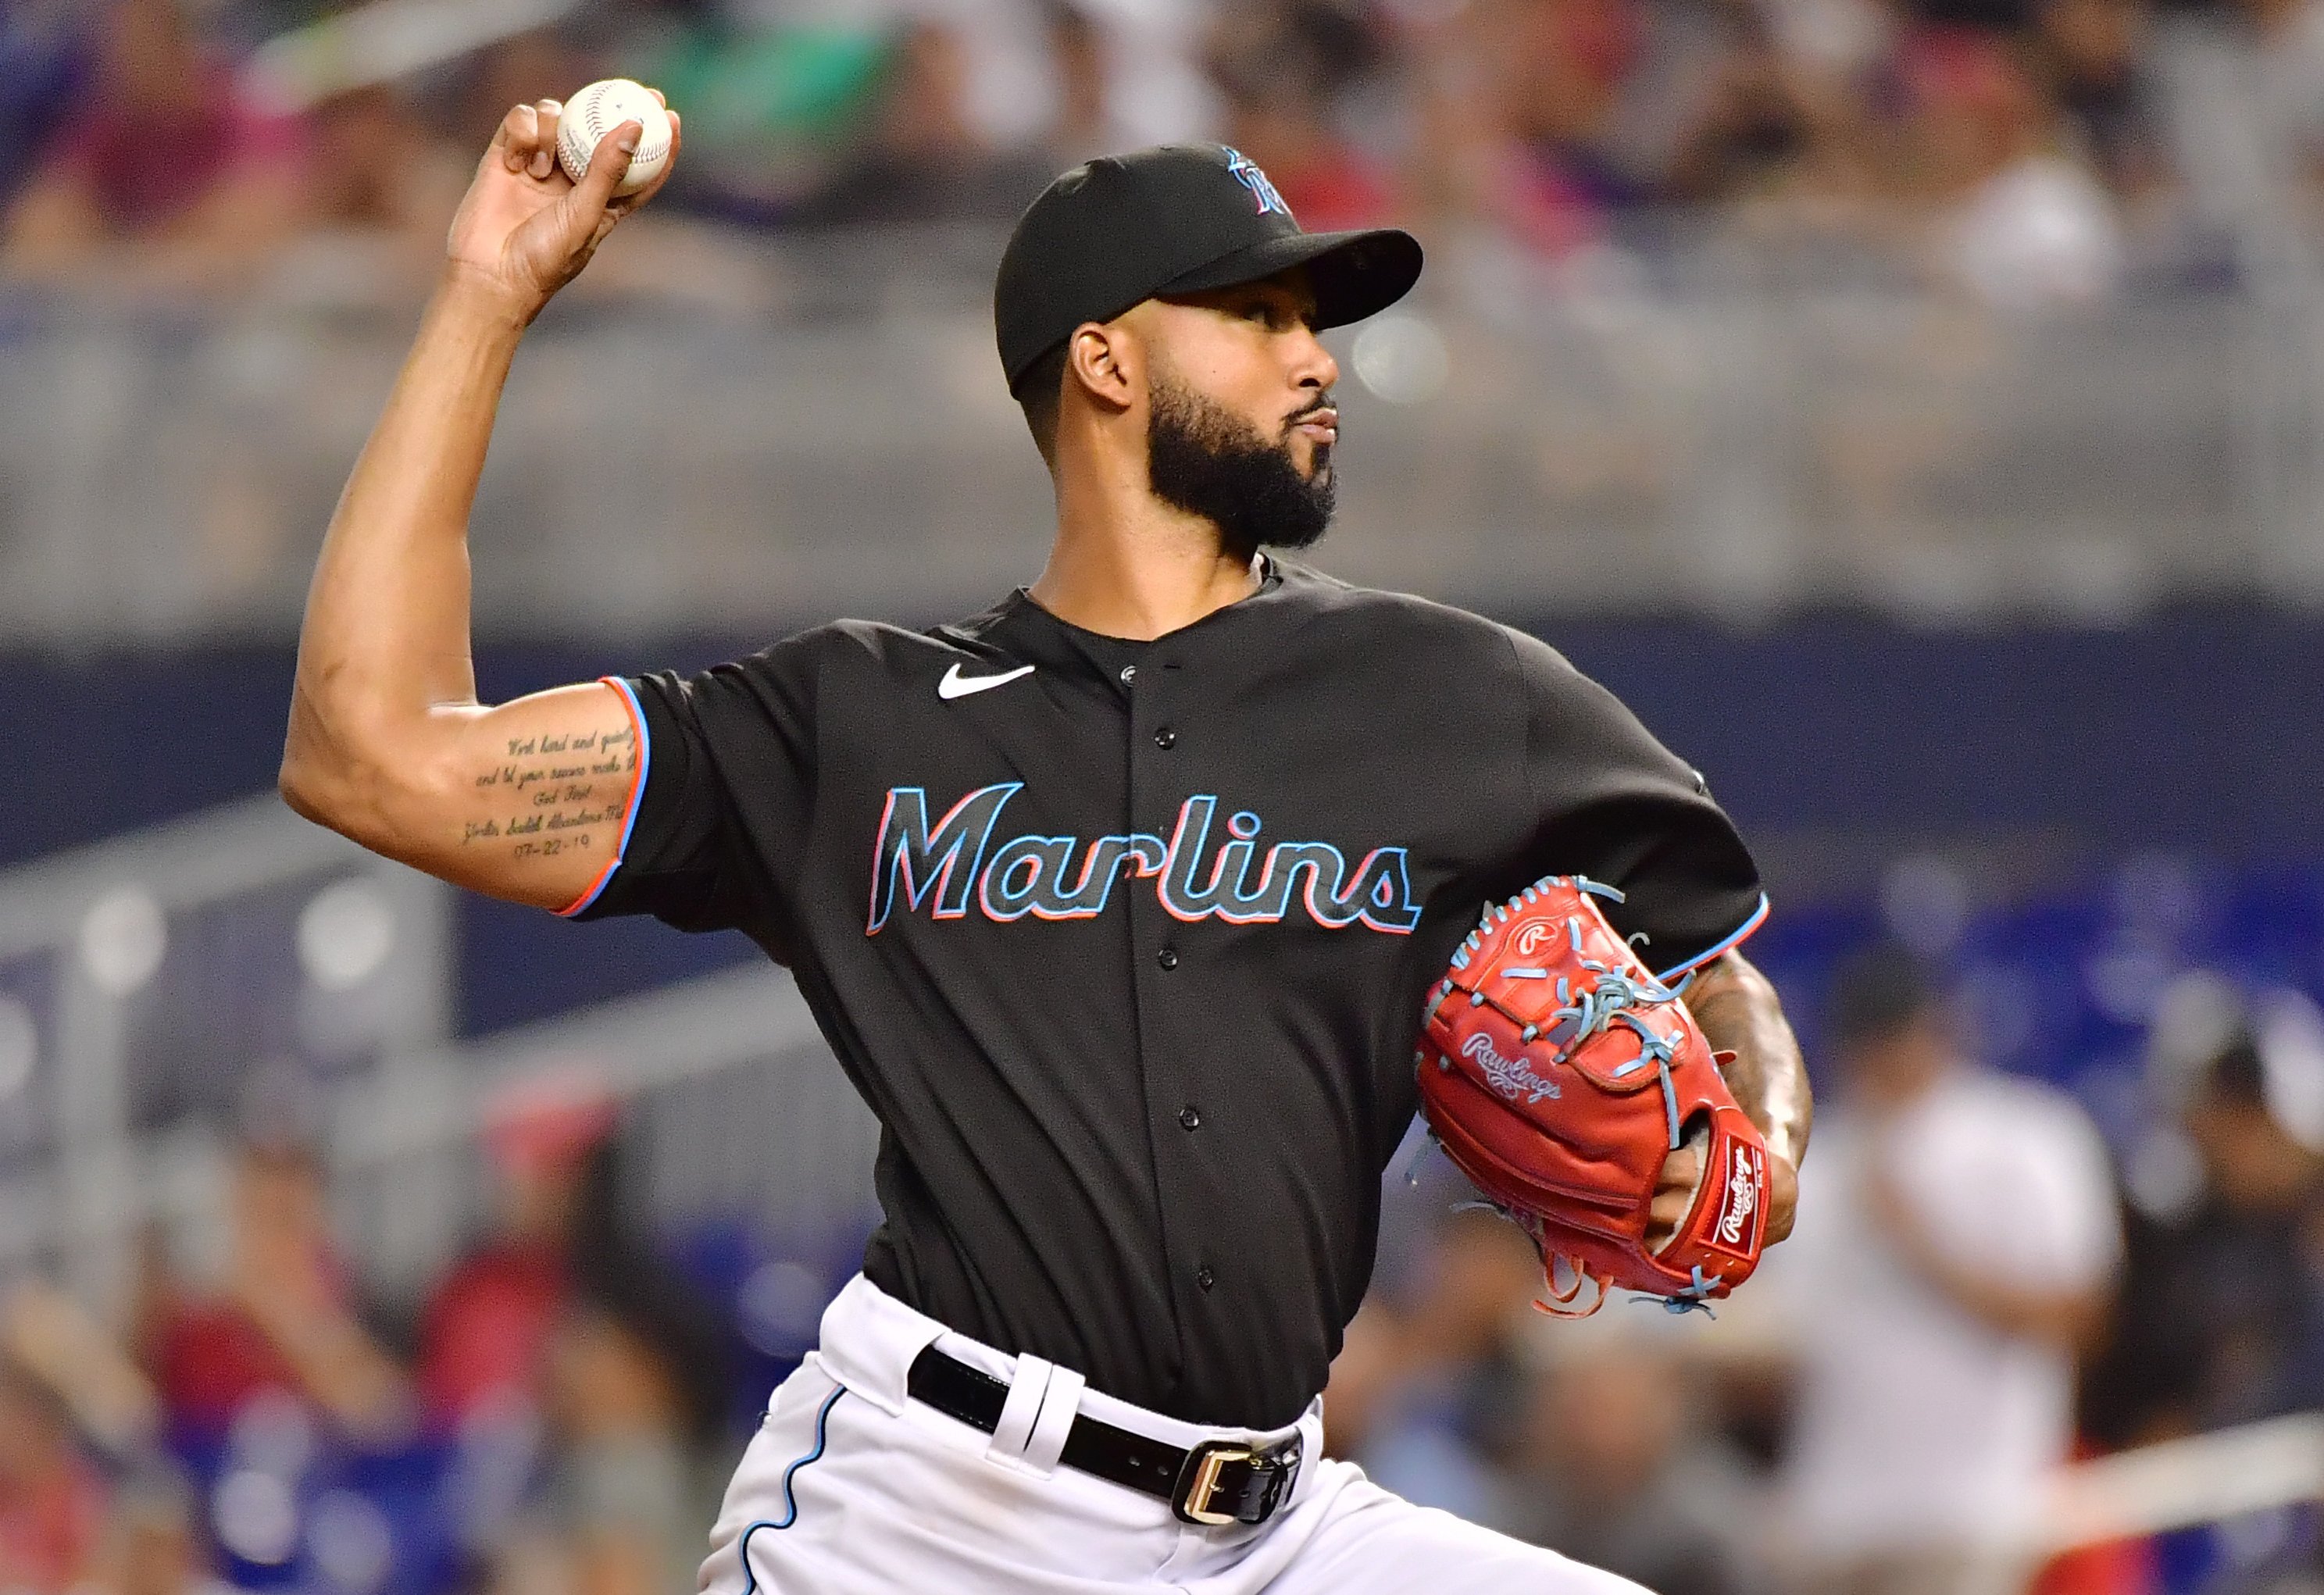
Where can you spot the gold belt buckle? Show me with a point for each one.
(1202, 1482)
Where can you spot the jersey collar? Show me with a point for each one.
(1019, 629)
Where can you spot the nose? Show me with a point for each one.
(1311, 364)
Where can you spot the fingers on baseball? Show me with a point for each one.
(546, 115)
(622, 203)
(512, 139)
(607, 164)
(526, 141)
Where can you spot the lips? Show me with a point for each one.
(1321, 425)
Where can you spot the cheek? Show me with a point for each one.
(1237, 373)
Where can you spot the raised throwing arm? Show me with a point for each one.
(387, 743)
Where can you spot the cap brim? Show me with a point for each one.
(1353, 274)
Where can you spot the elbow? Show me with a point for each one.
(324, 776)
(390, 805)
(321, 782)
(305, 778)
(300, 785)
(307, 795)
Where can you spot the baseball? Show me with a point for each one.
(598, 109)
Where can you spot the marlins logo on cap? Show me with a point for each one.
(1245, 171)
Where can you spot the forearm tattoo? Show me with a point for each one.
(556, 793)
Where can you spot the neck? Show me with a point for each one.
(1126, 564)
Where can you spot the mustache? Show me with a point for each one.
(1321, 402)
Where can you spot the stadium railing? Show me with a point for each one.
(243, 974)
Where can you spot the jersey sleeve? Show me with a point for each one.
(1612, 803)
(724, 794)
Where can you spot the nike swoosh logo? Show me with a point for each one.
(956, 684)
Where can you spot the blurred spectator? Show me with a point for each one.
(1283, 69)
(1154, 89)
(282, 1322)
(922, 157)
(1555, 180)
(625, 1497)
(380, 168)
(164, 152)
(1685, 55)
(633, 1386)
(1956, 1239)
(619, 1274)
(2021, 223)
(153, 1543)
(1424, 1394)
(1618, 1467)
(1078, 60)
(534, 65)
(1838, 43)
(769, 111)
(2220, 1288)
(485, 1330)
(2274, 61)
(51, 1500)
(50, 1337)
(2095, 53)
(43, 60)
(1765, 129)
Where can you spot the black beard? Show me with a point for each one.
(1205, 459)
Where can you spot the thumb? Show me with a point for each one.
(607, 165)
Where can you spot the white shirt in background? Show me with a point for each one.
(1919, 1425)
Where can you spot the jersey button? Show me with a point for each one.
(1167, 958)
(1129, 674)
(1191, 1117)
(1204, 1277)
(1165, 738)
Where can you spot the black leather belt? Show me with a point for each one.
(1218, 1481)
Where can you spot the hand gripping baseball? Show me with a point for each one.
(525, 229)
(1562, 1077)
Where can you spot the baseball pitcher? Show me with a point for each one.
(1123, 903)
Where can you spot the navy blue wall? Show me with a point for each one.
(2199, 729)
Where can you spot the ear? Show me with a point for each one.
(1104, 360)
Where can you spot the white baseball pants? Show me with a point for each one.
(850, 1485)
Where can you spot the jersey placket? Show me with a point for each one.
(1160, 742)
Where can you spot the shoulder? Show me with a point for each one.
(846, 645)
(1562, 706)
(1374, 616)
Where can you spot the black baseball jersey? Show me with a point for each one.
(1125, 943)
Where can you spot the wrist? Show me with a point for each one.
(476, 296)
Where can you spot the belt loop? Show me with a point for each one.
(1020, 1411)
(1059, 1407)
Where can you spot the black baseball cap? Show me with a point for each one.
(1176, 218)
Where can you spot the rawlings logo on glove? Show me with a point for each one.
(1558, 1075)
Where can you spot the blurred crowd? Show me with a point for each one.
(2020, 148)
(551, 1415)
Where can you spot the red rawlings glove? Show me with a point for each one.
(1558, 1073)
